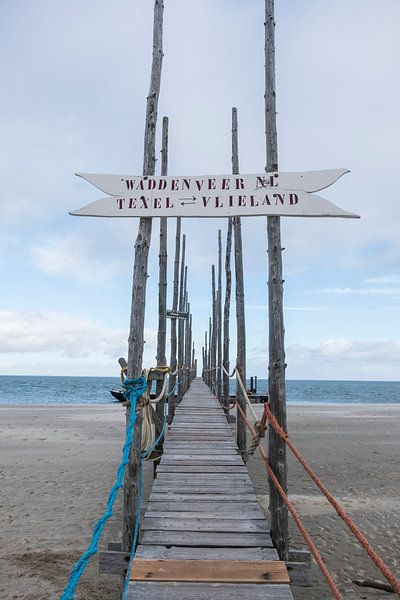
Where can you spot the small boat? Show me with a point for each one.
(118, 395)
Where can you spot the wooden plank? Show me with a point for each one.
(228, 469)
(299, 573)
(205, 514)
(210, 449)
(206, 477)
(187, 435)
(113, 563)
(211, 571)
(199, 461)
(202, 489)
(180, 523)
(217, 445)
(141, 590)
(247, 508)
(193, 553)
(235, 458)
(160, 497)
(179, 440)
(200, 538)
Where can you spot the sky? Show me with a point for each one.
(75, 79)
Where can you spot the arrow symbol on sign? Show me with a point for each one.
(191, 198)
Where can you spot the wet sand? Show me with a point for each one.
(58, 464)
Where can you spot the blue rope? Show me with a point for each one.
(134, 388)
(136, 533)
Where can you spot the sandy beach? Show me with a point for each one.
(58, 463)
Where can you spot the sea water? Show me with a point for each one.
(96, 390)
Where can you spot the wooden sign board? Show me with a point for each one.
(279, 194)
(176, 314)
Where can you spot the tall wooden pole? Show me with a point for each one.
(219, 319)
(214, 331)
(162, 278)
(182, 292)
(240, 315)
(205, 365)
(174, 343)
(188, 348)
(276, 368)
(227, 308)
(209, 352)
(142, 245)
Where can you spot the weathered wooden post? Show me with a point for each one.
(173, 361)
(227, 308)
(193, 356)
(182, 292)
(219, 319)
(184, 332)
(240, 314)
(162, 279)
(209, 352)
(205, 365)
(277, 366)
(187, 348)
(136, 333)
(214, 332)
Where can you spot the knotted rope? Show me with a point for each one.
(260, 428)
(134, 388)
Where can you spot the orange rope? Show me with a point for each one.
(294, 514)
(395, 583)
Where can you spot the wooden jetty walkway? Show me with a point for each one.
(204, 535)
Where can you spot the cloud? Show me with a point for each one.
(385, 279)
(70, 336)
(76, 256)
(340, 358)
(341, 291)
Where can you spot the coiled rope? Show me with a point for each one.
(134, 388)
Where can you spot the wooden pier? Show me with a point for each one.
(204, 535)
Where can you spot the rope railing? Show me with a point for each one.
(137, 395)
(268, 415)
(384, 569)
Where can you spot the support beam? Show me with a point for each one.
(219, 319)
(277, 366)
(142, 245)
(174, 341)
(240, 314)
(227, 308)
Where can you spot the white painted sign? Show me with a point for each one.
(214, 196)
(121, 185)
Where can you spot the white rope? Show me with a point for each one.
(240, 382)
(148, 425)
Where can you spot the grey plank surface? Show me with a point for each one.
(180, 523)
(203, 477)
(218, 508)
(207, 591)
(160, 497)
(168, 468)
(200, 538)
(193, 553)
(203, 506)
(216, 489)
(242, 513)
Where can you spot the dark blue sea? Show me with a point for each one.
(88, 390)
